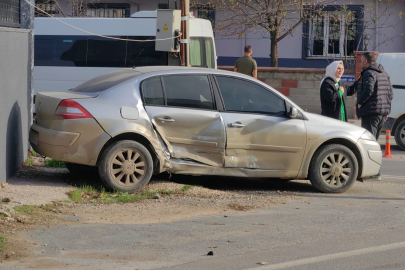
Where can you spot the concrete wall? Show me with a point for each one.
(16, 63)
(302, 86)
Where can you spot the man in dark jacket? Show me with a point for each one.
(374, 95)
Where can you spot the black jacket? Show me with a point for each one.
(330, 98)
(375, 92)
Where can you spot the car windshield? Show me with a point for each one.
(106, 81)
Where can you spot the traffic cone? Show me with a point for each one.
(387, 144)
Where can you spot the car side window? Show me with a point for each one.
(191, 91)
(152, 91)
(243, 96)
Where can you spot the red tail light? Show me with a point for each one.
(70, 109)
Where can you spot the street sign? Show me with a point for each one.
(348, 78)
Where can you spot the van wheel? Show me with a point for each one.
(400, 135)
(126, 166)
(333, 168)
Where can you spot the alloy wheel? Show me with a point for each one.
(127, 167)
(335, 169)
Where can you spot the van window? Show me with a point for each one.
(202, 52)
(82, 51)
(141, 54)
(60, 51)
(103, 52)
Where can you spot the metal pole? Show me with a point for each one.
(183, 31)
(187, 36)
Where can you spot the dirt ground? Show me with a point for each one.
(46, 190)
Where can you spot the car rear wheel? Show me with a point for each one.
(400, 135)
(126, 166)
(333, 168)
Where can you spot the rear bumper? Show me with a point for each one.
(372, 157)
(70, 146)
(51, 137)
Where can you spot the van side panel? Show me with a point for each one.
(394, 65)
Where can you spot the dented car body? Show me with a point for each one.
(133, 122)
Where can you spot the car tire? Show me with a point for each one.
(81, 170)
(333, 169)
(126, 166)
(400, 135)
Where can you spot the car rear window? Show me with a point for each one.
(106, 81)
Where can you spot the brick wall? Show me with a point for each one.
(300, 85)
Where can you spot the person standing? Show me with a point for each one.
(374, 96)
(333, 94)
(246, 64)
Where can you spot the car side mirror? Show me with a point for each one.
(293, 113)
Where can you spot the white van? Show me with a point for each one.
(65, 57)
(394, 65)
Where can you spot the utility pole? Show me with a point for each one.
(185, 30)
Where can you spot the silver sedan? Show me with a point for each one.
(132, 123)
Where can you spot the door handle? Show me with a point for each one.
(236, 125)
(166, 119)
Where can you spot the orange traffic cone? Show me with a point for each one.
(387, 144)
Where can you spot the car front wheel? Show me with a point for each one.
(333, 168)
(126, 166)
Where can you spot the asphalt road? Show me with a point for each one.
(360, 229)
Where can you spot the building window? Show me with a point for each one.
(10, 13)
(48, 6)
(333, 33)
(105, 10)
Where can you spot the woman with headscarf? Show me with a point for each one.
(333, 94)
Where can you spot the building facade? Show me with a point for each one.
(16, 65)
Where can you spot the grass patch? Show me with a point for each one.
(28, 161)
(89, 194)
(51, 163)
(26, 209)
(3, 239)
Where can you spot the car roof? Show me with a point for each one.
(162, 70)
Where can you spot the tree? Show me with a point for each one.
(277, 18)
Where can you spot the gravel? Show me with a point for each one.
(36, 186)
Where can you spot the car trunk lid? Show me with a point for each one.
(47, 103)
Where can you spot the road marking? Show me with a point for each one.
(393, 176)
(329, 257)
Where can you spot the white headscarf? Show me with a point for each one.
(331, 71)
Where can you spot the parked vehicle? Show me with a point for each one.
(133, 122)
(394, 65)
(65, 57)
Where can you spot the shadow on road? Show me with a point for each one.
(238, 183)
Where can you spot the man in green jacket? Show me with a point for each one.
(246, 64)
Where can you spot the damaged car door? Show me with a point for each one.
(183, 112)
(260, 135)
